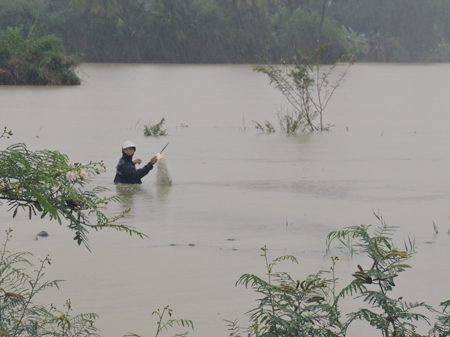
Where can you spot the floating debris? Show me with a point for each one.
(43, 233)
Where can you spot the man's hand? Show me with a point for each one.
(137, 161)
(153, 160)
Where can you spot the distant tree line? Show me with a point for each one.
(237, 31)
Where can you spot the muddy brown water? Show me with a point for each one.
(234, 189)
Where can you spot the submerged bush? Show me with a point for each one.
(155, 129)
(266, 128)
(35, 60)
(308, 88)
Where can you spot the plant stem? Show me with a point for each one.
(32, 293)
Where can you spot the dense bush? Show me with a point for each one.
(34, 60)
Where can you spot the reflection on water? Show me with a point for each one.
(234, 190)
(163, 193)
(128, 192)
(145, 202)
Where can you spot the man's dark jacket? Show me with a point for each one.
(127, 173)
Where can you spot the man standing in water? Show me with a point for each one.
(126, 168)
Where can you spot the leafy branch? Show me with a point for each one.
(44, 183)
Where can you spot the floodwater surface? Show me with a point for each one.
(234, 189)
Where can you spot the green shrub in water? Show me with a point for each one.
(155, 129)
(34, 60)
(266, 128)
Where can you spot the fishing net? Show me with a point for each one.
(162, 174)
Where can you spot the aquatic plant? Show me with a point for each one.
(155, 130)
(266, 128)
(19, 315)
(289, 121)
(44, 183)
(307, 87)
(312, 307)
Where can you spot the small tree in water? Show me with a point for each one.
(307, 88)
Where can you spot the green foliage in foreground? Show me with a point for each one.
(44, 183)
(311, 307)
(34, 60)
(19, 316)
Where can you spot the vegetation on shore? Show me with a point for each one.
(35, 60)
(237, 31)
(155, 130)
(212, 31)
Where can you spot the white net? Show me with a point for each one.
(162, 174)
